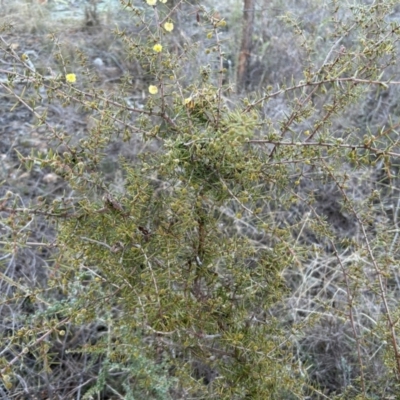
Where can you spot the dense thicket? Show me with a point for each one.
(192, 240)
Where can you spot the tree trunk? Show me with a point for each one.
(245, 48)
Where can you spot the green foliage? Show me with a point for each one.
(206, 259)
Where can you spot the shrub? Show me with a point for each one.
(204, 239)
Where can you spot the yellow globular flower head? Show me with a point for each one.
(153, 89)
(71, 78)
(157, 48)
(222, 23)
(151, 2)
(169, 26)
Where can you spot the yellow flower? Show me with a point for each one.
(169, 26)
(153, 89)
(71, 78)
(163, 1)
(151, 2)
(157, 48)
(222, 23)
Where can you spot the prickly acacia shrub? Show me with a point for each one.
(207, 261)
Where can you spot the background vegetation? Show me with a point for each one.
(185, 214)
